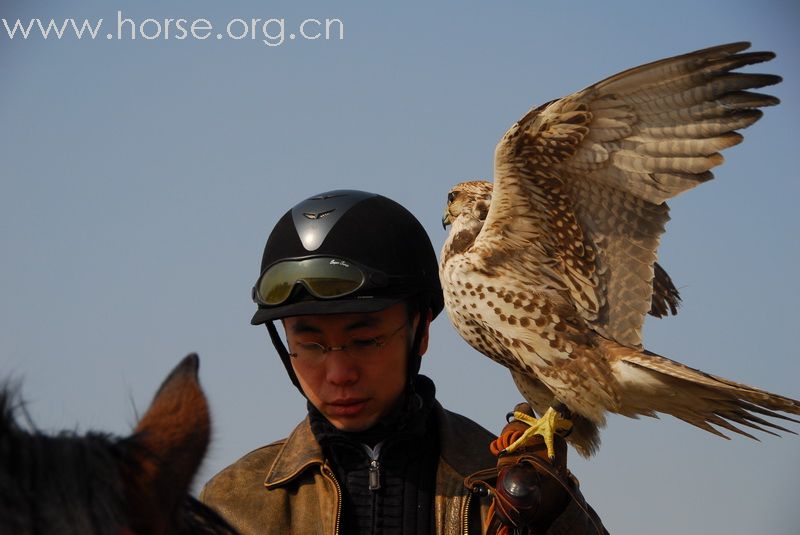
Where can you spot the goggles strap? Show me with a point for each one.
(284, 354)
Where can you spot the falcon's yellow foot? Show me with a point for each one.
(547, 426)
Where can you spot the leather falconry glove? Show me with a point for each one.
(528, 490)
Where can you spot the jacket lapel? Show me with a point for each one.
(300, 452)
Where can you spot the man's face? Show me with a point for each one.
(353, 393)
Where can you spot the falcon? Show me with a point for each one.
(551, 270)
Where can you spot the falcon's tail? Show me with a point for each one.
(650, 383)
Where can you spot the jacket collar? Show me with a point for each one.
(301, 451)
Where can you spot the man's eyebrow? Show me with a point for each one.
(364, 321)
(300, 326)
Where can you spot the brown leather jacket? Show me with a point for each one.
(288, 487)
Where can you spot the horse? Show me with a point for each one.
(101, 484)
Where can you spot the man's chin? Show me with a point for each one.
(350, 416)
(353, 424)
(348, 427)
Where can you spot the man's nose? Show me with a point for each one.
(341, 368)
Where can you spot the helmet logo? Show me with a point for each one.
(317, 215)
(335, 262)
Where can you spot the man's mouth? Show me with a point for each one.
(347, 406)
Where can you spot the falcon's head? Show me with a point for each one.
(468, 199)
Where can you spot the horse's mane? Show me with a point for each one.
(87, 483)
(48, 480)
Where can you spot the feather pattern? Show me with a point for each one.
(552, 269)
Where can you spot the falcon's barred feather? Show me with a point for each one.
(552, 270)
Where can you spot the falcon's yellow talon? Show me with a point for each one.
(547, 426)
(526, 418)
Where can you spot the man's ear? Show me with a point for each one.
(423, 345)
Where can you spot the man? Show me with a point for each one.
(353, 278)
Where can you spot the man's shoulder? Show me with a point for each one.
(464, 443)
(247, 472)
(455, 426)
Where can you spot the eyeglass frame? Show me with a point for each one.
(379, 342)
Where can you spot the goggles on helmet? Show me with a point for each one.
(324, 277)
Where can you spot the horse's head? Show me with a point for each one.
(96, 483)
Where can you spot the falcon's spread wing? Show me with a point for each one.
(552, 270)
(589, 174)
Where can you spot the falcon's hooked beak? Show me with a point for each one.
(447, 218)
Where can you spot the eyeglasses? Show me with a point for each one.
(360, 348)
(322, 277)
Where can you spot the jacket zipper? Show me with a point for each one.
(329, 473)
(465, 514)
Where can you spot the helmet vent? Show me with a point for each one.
(315, 217)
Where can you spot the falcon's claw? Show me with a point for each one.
(547, 426)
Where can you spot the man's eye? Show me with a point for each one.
(363, 342)
(310, 346)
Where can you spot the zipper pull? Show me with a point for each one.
(374, 475)
(374, 466)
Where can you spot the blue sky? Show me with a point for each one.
(140, 179)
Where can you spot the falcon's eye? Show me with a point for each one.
(451, 196)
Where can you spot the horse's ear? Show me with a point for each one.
(169, 443)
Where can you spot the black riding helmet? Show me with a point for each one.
(346, 251)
